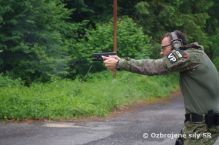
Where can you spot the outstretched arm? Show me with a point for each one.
(144, 66)
(175, 61)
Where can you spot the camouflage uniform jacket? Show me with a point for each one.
(199, 80)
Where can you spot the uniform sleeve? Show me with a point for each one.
(144, 66)
(175, 61)
(181, 60)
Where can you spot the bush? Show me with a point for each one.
(6, 81)
(66, 99)
(215, 43)
(131, 43)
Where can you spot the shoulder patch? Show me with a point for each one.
(174, 56)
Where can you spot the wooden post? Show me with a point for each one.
(115, 9)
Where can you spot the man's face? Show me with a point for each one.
(165, 46)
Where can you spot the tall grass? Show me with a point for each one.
(66, 99)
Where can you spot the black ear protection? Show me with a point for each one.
(176, 42)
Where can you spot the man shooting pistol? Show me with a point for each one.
(199, 83)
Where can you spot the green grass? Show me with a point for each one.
(67, 99)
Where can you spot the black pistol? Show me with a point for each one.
(98, 56)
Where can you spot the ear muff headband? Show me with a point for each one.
(174, 36)
(176, 42)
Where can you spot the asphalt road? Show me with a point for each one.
(140, 126)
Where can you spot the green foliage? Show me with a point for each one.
(188, 16)
(215, 43)
(6, 81)
(158, 17)
(95, 10)
(44, 38)
(31, 39)
(65, 99)
(215, 48)
(216, 62)
(131, 43)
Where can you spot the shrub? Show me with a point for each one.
(132, 42)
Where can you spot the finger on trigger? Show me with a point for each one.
(104, 57)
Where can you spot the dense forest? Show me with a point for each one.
(42, 39)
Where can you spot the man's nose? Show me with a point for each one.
(161, 53)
